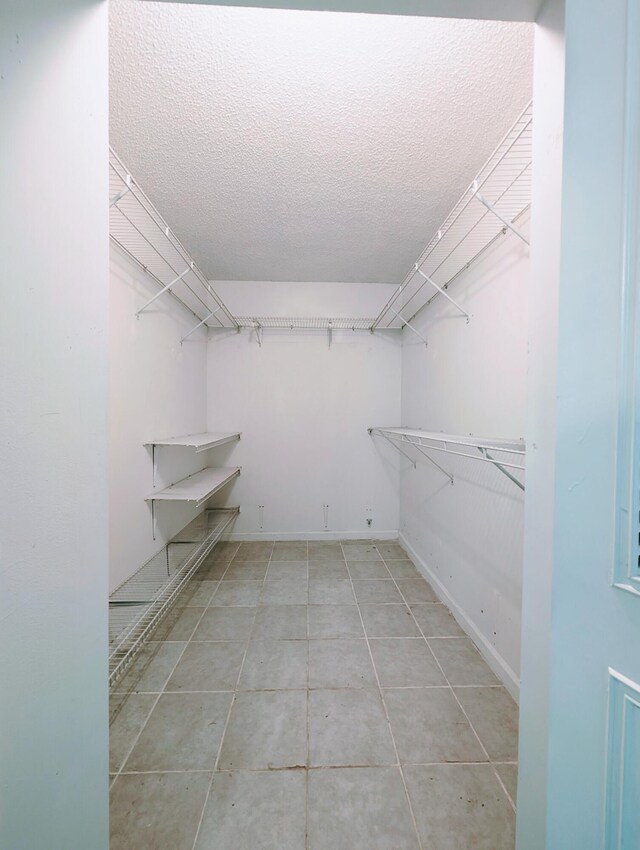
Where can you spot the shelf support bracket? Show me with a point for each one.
(431, 460)
(165, 289)
(493, 210)
(129, 185)
(258, 330)
(330, 334)
(199, 325)
(409, 325)
(442, 291)
(395, 446)
(499, 466)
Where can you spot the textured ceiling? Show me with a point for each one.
(308, 146)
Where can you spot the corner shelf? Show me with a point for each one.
(198, 487)
(199, 442)
(141, 602)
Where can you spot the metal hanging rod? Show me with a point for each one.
(305, 323)
(425, 441)
(504, 182)
(136, 226)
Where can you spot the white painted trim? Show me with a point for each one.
(495, 661)
(314, 535)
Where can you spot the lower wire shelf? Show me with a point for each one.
(140, 603)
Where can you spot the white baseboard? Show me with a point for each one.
(495, 661)
(313, 535)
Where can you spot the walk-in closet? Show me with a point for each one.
(319, 394)
(319, 261)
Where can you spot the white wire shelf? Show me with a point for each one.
(308, 323)
(511, 453)
(137, 227)
(197, 487)
(140, 603)
(490, 207)
(199, 442)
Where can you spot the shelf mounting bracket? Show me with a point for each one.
(410, 326)
(128, 186)
(493, 210)
(499, 466)
(330, 334)
(165, 289)
(441, 291)
(431, 460)
(206, 319)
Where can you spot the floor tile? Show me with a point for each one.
(429, 726)
(340, 664)
(272, 664)
(328, 570)
(509, 775)
(237, 593)
(391, 550)
(247, 810)
(348, 728)
(436, 620)
(225, 550)
(404, 663)
(150, 671)
(208, 667)
(183, 732)
(225, 624)
(461, 662)
(330, 592)
(402, 569)
(325, 551)
(127, 715)
(287, 570)
(284, 591)
(179, 624)
(460, 805)
(389, 621)
(367, 569)
(254, 551)
(211, 571)
(377, 590)
(280, 622)
(153, 811)
(349, 809)
(246, 571)
(360, 551)
(267, 729)
(201, 595)
(334, 621)
(494, 715)
(289, 551)
(416, 590)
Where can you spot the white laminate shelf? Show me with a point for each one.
(199, 442)
(196, 488)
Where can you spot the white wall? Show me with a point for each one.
(303, 410)
(471, 379)
(53, 425)
(157, 390)
(541, 424)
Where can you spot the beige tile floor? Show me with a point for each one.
(311, 696)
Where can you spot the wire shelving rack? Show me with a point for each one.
(140, 603)
(136, 226)
(491, 207)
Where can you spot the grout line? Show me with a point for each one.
(384, 706)
(231, 704)
(455, 696)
